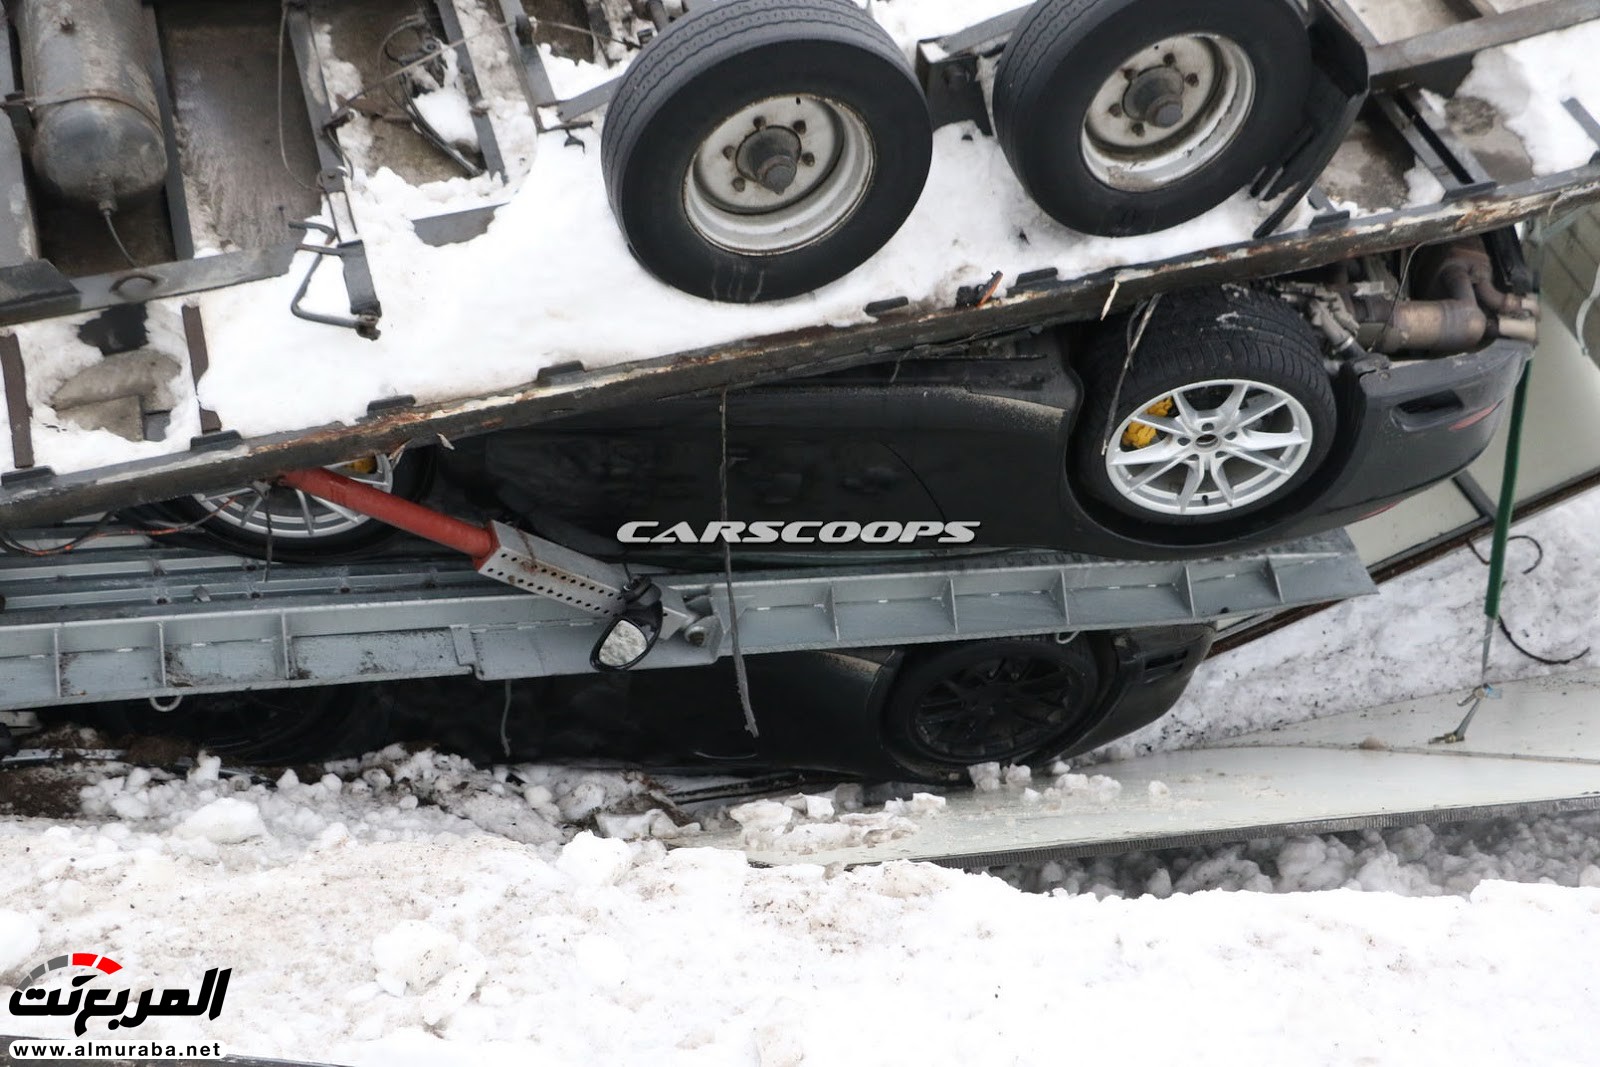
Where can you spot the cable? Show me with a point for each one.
(283, 147)
(1131, 337)
(106, 211)
(741, 679)
(1500, 620)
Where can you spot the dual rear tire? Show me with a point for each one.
(760, 149)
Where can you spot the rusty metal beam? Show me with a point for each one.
(18, 410)
(804, 352)
(1404, 62)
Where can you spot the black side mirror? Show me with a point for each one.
(631, 635)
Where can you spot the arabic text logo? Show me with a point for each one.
(98, 1001)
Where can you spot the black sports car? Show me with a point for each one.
(1204, 422)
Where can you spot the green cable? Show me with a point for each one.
(1508, 496)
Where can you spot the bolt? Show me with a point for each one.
(1169, 59)
(1129, 73)
(738, 185)
(728, 151)
(758, 122)
(798, 126)
(697, 638)
(1138, 129)
(807, 159)
(1191, 79)
(1116, 111)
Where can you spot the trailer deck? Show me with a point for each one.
(1346, 198)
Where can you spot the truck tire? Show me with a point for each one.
(1008, 701)
(1225, 410)
(1125, 117)
(759, 149)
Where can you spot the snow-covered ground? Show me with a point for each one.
(411, 909)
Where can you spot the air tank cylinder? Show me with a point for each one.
(97, 127)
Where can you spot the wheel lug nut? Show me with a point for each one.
(738, 185)
(1138, 129)
(758, 122)
(799, 126)
(1116, 111)
(1191, 79)
(1129, 73)
(808, 159)
(727, 151)
(1169, 59)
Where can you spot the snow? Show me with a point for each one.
(541, 286)
(408, 908)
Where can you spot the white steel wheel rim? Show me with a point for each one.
(293, 515)
(1216, 446)
(835, 160)
(1203, 83)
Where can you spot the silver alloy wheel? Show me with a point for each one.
(1168, 111)
(779, 174)
(294, 515)
(1209, 447)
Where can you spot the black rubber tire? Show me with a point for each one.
(910, 737)
(1063, 52)
(1194, 335)
(413, 477)
(720, 58)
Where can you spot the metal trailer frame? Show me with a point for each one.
(1353, 70)
(127, 622)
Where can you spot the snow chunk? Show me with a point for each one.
(762, 815)
(228, 821)
(594, 861)
(413, 956)
(19, 937)
(985, 777)
(919, 804)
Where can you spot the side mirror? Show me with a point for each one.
(631, 635)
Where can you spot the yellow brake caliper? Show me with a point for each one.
(1138, 435)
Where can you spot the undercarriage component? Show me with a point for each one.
(1460, 307)
(97, 135)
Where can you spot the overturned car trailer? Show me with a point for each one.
(1269, 281)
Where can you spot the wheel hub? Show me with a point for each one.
(779, 174)
(770, 157)
(1155, 96)
(1167, 111)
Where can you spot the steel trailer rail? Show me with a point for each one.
(115, 624)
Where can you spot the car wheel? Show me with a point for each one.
(301, 527)
(1124, 117)
(1008, 701)
(759, 149)
(1225, 409)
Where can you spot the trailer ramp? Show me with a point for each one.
(1535, 750)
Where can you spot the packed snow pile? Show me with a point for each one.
(362, 930)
